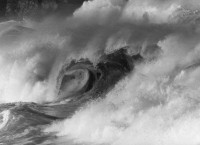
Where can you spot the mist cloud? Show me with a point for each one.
(159, 102)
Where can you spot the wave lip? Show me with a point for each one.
(73, 82)
(4, 118)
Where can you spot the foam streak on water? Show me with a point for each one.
(4, 118)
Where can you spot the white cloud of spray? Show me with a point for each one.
(26, 62)
(158, 104)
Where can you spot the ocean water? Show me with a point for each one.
(114, 72)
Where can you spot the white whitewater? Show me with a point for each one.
(4, 118)
(156, 104)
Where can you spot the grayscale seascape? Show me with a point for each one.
(99, 72)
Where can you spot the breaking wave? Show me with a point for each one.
(114, 72)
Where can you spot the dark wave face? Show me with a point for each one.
(82, 77)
